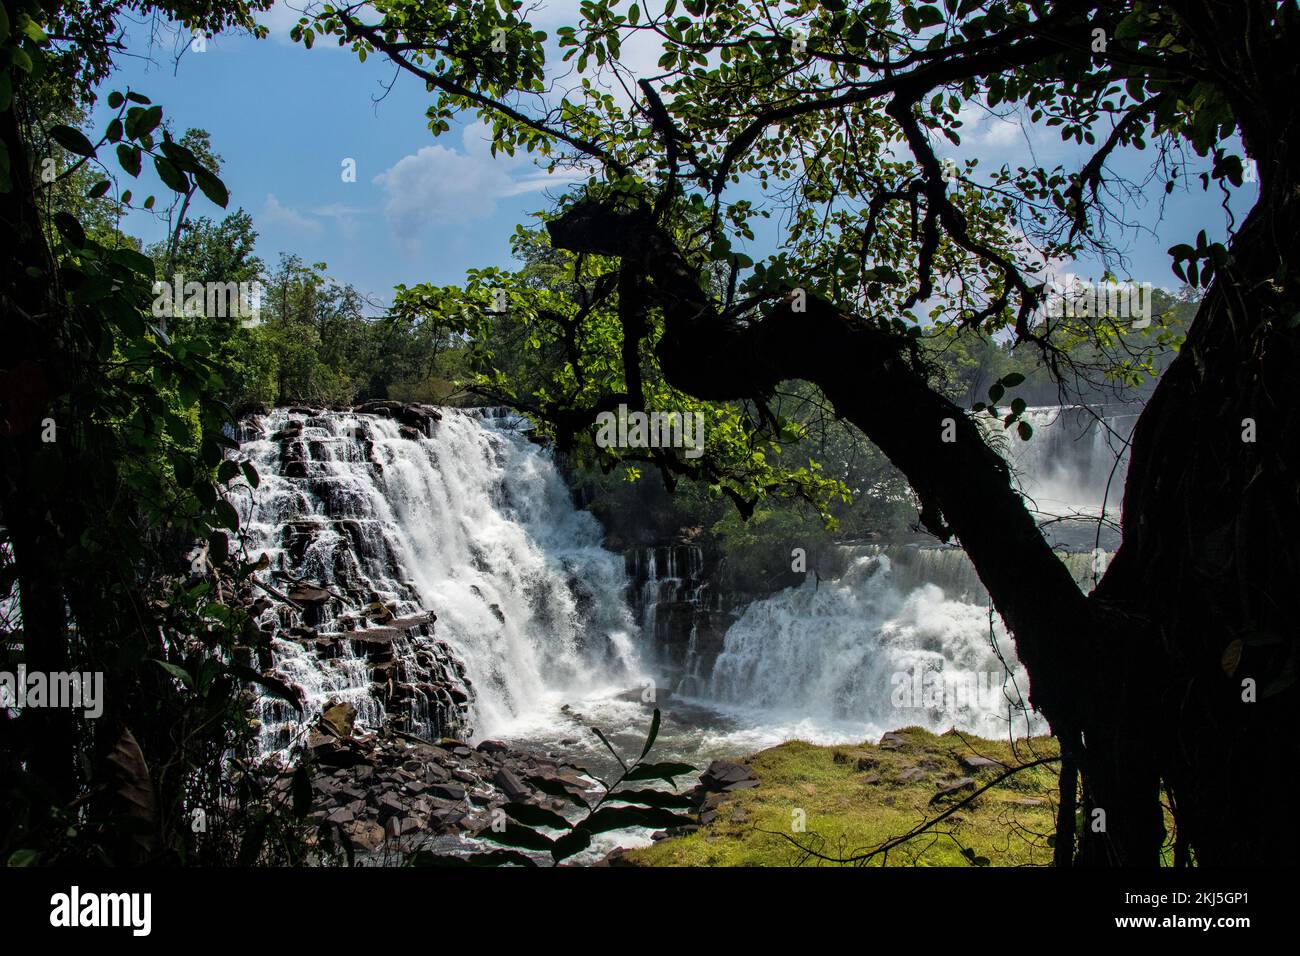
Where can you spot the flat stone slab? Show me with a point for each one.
(976, 762)
(957, 786)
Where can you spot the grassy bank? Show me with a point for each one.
(855, 798)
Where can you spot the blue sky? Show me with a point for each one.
(285, 119)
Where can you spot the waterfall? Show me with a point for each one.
(465, 519)
(671, 599)
(872, 651)
(905, 635)
(1076, 460)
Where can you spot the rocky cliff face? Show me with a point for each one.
(674, 591)
(386, 719)
(324, 601)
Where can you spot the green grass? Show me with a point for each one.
(845, 813)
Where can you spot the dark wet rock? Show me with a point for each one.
(511, 785)
(956, 787)
(448, 791)
(366, 835)
(912, 775)
(722, 775)
(976, 762)
(339, 719)
(893, 741)
(308, 595)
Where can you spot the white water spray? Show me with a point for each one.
(472, 522)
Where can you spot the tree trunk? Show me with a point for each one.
(32, 469)
(1210, 554)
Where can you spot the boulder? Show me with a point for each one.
(723, 775)
(510, 784)
(976, 762)
(339, 719)
(958, 786)
(447, 791)
(309, 595)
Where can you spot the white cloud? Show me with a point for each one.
(438, 184)
(278, 214)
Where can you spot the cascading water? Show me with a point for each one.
(467, 519)
(470, 521)
(866, 653)
(906, 634)
(1076, 460)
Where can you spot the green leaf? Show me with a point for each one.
(618, 818)
(218, 545)
(147, 122)
(516, 835)
(175, 179)
(573, 842)
(212, 187)
(227, 515)
(73, 140)
(659, 771)
(928, 16)
(23, 858)
(180, 673)
(535, 816)
(128, 157)
(654, 732)
(70, 229)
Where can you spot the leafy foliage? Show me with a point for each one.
(116, 451)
